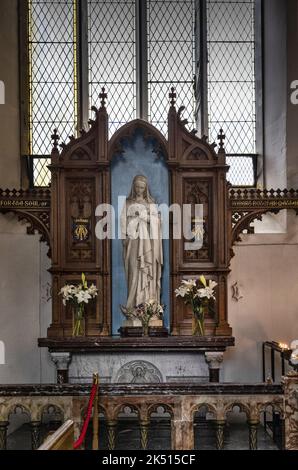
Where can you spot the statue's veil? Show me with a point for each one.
(147, 196)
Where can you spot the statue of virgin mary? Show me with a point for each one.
(142, 245)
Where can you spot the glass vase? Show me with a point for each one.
(78, 323)
(198, 326)
(145, 329)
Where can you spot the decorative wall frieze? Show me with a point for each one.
(33, 206)
(248, 205)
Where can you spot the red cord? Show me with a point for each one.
(81, 439)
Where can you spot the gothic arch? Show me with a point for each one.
(128, 131)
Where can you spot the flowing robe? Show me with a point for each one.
(142, 252)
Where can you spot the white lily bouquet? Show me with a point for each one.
(78, 296)
(145, 312)
(198, 294)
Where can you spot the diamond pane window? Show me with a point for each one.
(52, 83)
(170, 37)
(242, 171)
(41, 173)
(138, 50)
(112, 58)
(231, 74)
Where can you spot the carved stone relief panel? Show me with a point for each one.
(139, 372)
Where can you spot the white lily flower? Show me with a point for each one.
(181, 292)
(93, 291)
(83, 296)
(212, 284)
(189, 283)
(205, 293)
(67, 290)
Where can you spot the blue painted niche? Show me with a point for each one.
(138, 158)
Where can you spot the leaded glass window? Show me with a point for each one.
(52, 67)
(171, 58)
(112, 58)
(138, 50)
(231, 82)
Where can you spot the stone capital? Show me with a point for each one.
(214, 359)
(61, 360)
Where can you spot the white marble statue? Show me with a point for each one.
(142, 245)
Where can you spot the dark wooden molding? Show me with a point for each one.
(103, 344)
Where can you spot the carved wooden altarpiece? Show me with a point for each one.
(81, 180)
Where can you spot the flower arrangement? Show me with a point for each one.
(78, 296)
(144, 312)
(198, 294)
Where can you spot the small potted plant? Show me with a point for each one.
(145, 312)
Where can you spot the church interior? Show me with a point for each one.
(148, 225)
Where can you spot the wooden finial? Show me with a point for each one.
(221, 137)
(172, 97)
(55, 138)
(103, 96)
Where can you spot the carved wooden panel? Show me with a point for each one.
(199, 191)
(80, 183)
(198, 176)
(80, 220)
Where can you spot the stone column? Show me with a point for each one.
(253, 434)
(35, 434)
(182, 434)
(3, 434)
(290, 386)
(220, 426)
(144, 428)
(214, 361)
(61, 361)
(111, 429)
